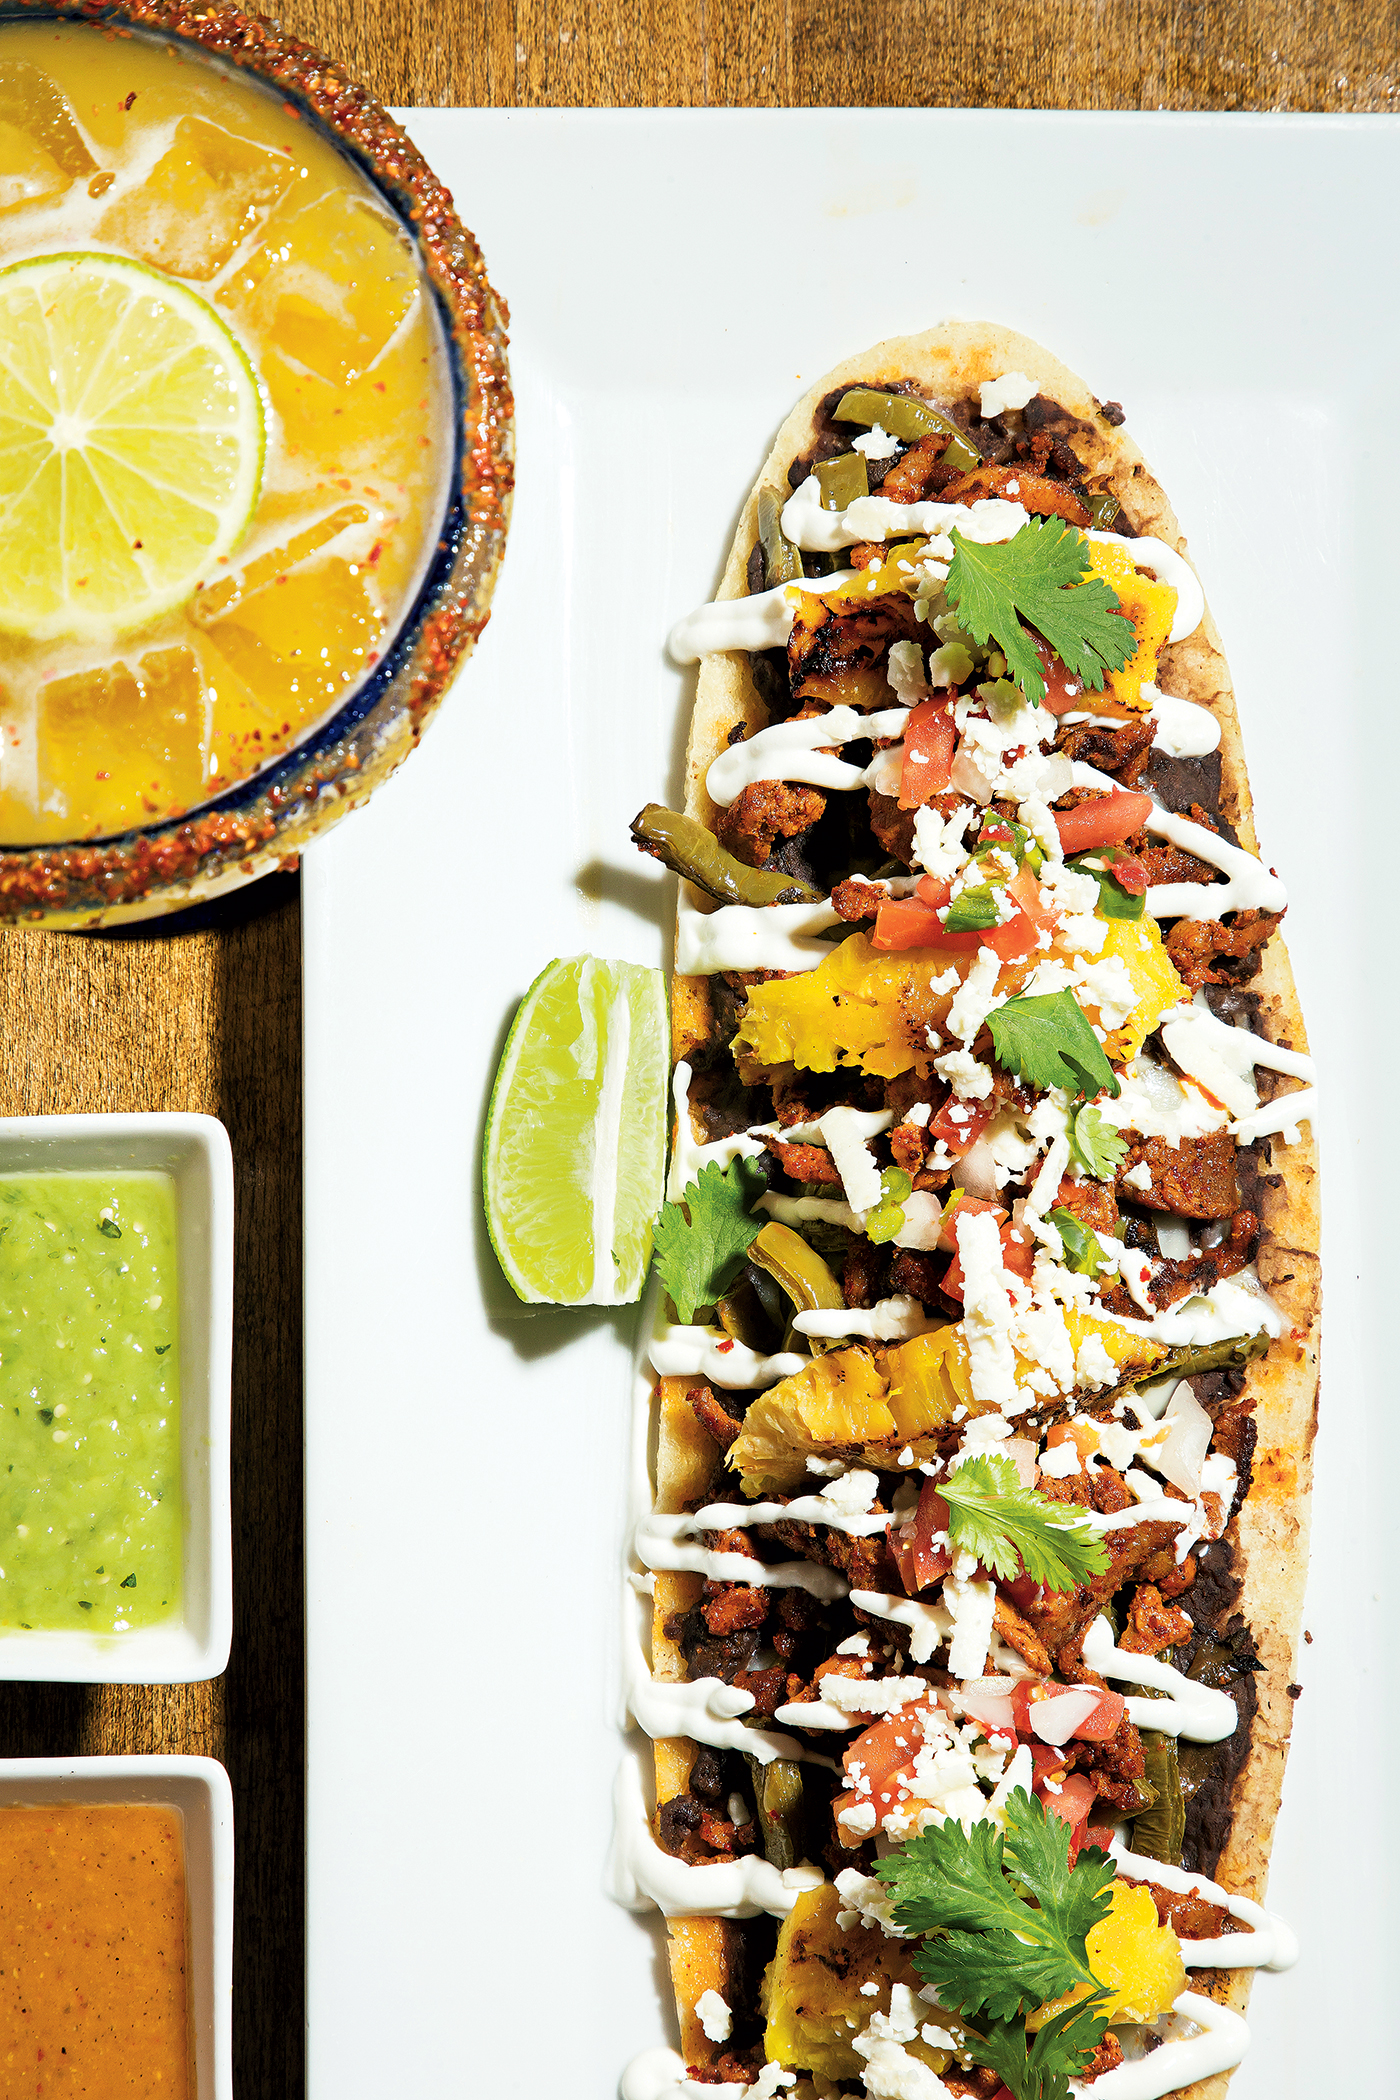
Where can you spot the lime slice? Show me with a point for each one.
(576, 1134)
(131, 445)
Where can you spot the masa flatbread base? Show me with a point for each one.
(1270, 1531)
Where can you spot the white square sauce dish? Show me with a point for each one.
(116, 1252)
(115, 1892)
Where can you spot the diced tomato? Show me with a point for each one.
(1076, 1796)
(1022, 1591)
(962, 1206)
(918, 1559)
(884, 1755)
(1046, 1760)
(1101, 1725)
(929, 738)
(903, 922)
(1104, 822)
(1063, 691)
(1017, 1254)
(1129, 873)
(960, 1124)
(1011, 942)
(1100, 1834)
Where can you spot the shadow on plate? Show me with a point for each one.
(647, 895)
(253, 900)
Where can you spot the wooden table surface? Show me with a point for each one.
(210, 1018)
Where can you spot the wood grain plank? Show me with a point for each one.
(1046, 54)
(211, 1020)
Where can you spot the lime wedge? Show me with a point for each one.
(576, 1134)
(131, 445)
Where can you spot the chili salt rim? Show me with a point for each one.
(264, 821)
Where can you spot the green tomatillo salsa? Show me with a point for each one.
(90, 1501)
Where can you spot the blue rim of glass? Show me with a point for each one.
(362, 702)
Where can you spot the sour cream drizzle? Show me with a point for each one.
(790, 751)
(895, 1319)
(706, 1352)
(659, 2074)
(1184, 728)
(1182, 2059)
(762, 621)
(817, 530)
(1197, 1711)
(1269, 1944)
(1250, 885)
(1220, 2043)
(1223, 1059)
(688, 1155)
(668, 1542)
(642, 1874)
(765, 937)
(704, 1708)
(1278, 1118)
(1237, 1305)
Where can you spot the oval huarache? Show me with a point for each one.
(987, 1365)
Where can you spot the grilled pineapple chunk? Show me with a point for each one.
(1135, 1959)
(812, 1989)
(1150, 606)
(871, 1404)
(1139, 945)
(1128, 1351)
(861, 1007)
(837, 1403)
(930, 1378)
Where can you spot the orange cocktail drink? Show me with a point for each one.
(226, 429)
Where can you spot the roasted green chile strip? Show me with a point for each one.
(1160, 1831)
(906, 417)
(802, 1274)
(683, 845)
(742, 1315)
(782, 563)
(777, 1789)
(1230, 1355)
(843, 481)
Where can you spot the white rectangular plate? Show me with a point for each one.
(676, 280)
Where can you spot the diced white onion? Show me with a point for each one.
(1055, 1720)
(976, 1172)
(1180, 1458)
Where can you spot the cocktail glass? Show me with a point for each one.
(225, 836)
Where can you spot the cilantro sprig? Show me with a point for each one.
(1097, 1147)
(1040, 577)
(1039, 2066)
(701, 1242)
(1083, 1249)
(1012, 1529)
(1049, 1042)
(1007, 1918)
